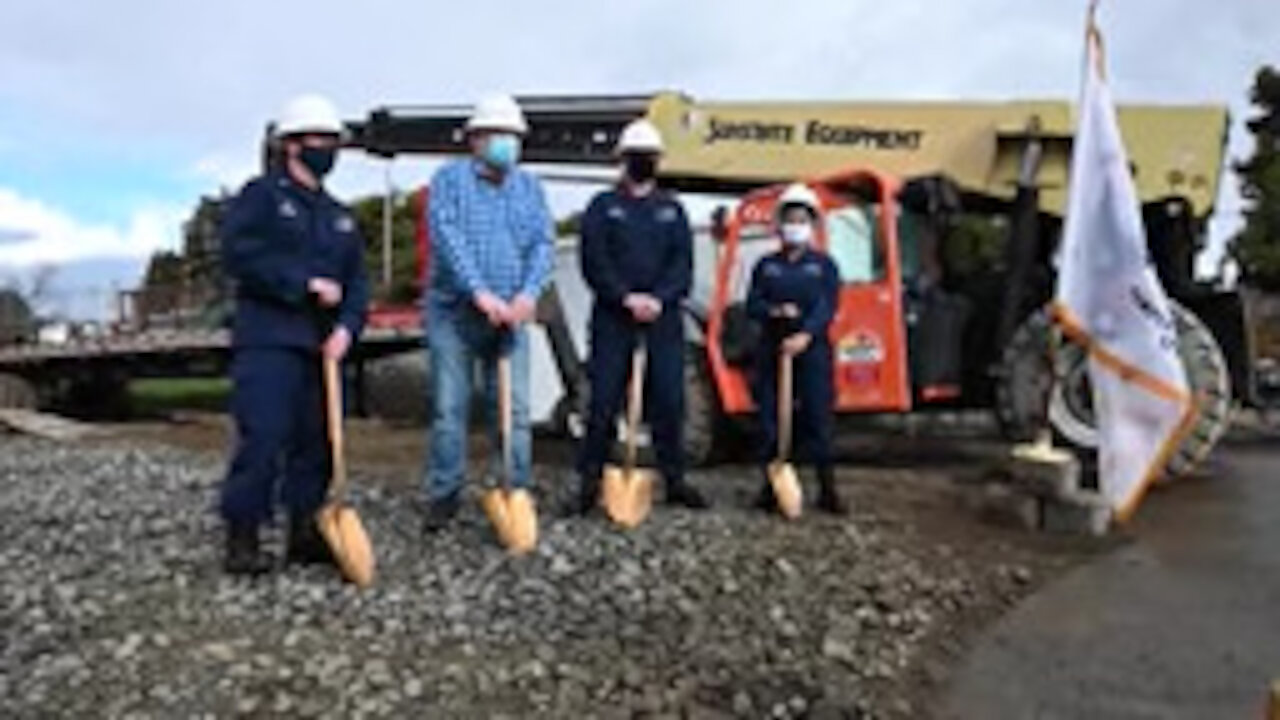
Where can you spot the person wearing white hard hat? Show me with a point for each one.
(637, 258)
(794, 296)
(492, 238)
(297, 259)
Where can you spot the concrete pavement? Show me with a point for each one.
(1183, 623)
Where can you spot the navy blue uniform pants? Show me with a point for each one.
(281, 434)
(613, 339)
(812, 404)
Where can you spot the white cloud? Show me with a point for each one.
(201, 80)
(225, 169)
(40, 233)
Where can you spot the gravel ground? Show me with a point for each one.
(112, 605)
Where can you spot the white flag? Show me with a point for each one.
(1110, 299)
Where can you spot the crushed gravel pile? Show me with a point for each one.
(112, 605)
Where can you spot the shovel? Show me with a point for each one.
(338, 522)
(782, 474)
(628, 491)
(511, 510)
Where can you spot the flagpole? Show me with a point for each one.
(1044, 439)
(1093, 39)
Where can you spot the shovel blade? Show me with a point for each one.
(523, 517)
(786, 489)
(494, 504)
(627, 496)
(344, 532)
(639, 488)
(613, 493)
(514, 519)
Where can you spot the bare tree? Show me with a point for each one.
(39, 290)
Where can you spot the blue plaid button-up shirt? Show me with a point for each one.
(487, 236)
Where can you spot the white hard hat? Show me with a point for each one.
(498, 112)
(798, 194)
(641, 136)
(309, 114)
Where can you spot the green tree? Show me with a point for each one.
(569, 226)
(1257, 247)
(200, 241)
(404, 287)
(975, 244)
(164, 269)
(368, 213)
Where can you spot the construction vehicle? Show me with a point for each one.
(922, 325)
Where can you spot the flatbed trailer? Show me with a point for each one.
(90, 376)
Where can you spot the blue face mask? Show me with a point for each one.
(502, 151)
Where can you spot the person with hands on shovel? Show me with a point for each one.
(637, 258)
(794, 294)
(298, 261)
(493, 240)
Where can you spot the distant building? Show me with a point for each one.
(187, 289)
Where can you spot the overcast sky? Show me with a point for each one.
(116, 116)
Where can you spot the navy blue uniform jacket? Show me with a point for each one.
(637, 245)
(276, 236)
(811, 282)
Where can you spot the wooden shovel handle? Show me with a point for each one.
(333, 412)
(504, 416)
(635, 401)
(784, 405)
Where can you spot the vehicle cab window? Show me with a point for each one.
(854, 243)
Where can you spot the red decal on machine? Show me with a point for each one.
(859, 357)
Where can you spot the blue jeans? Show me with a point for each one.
(458, 338)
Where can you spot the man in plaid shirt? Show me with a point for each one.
(493, 251)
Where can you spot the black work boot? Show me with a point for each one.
(306, 544)
(588, 498)
(829, 499)
(244, 554)
(766, 501)
(441, 513)
(682, 493)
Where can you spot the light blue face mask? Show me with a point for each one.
(798, 234)
(502, 151)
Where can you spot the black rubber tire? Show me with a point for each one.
(1210, 378)
(17, 392)
(1028, 390)
(1025, 380)
(704, 423)
(101, 395)
(396, 389)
